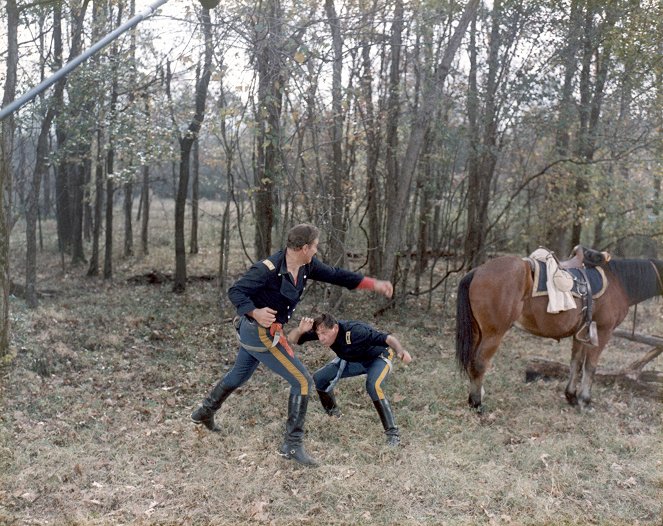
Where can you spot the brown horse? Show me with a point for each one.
(498, 294)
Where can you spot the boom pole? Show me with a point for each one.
(73, 64)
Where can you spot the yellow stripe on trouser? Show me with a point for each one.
(266, 340)
(383, 374)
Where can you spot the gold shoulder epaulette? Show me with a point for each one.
(348, 337)
(268, 264)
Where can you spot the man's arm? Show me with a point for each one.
(348, 279)
(305, 325)
(393, 342)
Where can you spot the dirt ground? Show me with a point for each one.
(95, 428)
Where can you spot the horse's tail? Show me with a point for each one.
(466, 341)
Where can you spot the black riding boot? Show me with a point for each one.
(205, 413)
(328, 401)
(293, 447)
(387, 417)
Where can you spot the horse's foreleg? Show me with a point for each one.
(575, 372)
(588, 370)
(479, 367)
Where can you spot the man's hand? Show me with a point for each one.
(264, 316)
(305, 325)
(405, 356)
(384, 287)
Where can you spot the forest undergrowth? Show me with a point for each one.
(95, 428)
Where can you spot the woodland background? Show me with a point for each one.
(422, 137)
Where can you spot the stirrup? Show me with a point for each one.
(590, 336)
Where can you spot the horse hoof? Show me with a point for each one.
(571, 398)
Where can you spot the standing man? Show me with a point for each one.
(265, 298)
(361, 350)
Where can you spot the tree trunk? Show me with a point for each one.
(555, 233)
(110, 186)
(270, 102)
(395, 216)
(372, 156)
(6, 145)
(145, 217)
(87, 195)
(591, 100)
(70, 197)
(483, 150)
(339, 175)
(186, 143)
(430, 101)
(195, 188)
(77, 252)
(110, 190)
(41, 166)
(93, 269)
(145, 195)
(128, 221)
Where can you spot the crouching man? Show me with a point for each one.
(360, 349)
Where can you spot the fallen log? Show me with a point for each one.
(648, 383)
(654, 341)
(632, 376)
(156, 277)
(19, 291)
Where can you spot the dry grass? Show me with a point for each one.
(95, 424)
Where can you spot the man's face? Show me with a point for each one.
(326, 335)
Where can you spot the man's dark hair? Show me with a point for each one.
(301, 235)
(325, 320)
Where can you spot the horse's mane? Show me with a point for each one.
(638, 277)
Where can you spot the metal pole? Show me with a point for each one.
(17, 103)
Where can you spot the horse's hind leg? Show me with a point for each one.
(575, 372)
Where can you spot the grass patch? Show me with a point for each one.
(95, 427)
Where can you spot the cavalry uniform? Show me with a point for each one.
(360, 349)
(269, 284)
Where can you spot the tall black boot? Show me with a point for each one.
(205, 413)
(293, 447)
(387, 417)
(328, 401)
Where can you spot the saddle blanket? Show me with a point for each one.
(596, 276)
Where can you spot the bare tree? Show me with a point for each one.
(595, 57)
(432, 85)
(483, 142)
(186, 142)
(6, 143)
(268, 113)
(195, 197)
